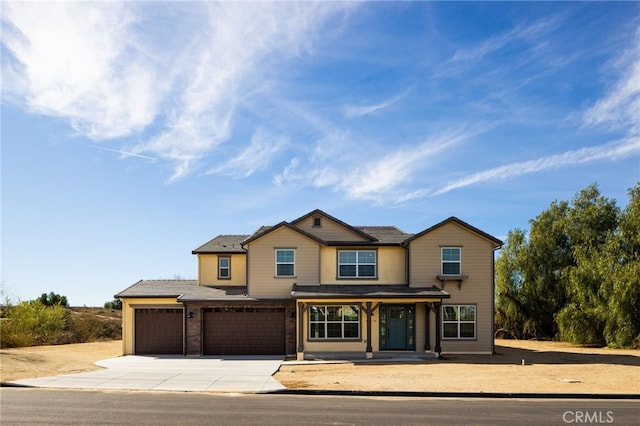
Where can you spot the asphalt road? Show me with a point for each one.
(20, 406)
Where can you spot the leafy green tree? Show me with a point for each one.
(115, 304)
(53, 299)
(592, 223)
(575, 275)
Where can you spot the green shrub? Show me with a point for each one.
(32, 323)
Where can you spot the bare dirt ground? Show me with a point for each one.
(551, 367)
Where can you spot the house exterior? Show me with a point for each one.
(319, 285)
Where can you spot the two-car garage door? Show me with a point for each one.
(244, 331)
(225, 331)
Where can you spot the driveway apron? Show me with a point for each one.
(244, 374)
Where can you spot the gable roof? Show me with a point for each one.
(318, 212)
(497, 243)
(267, 230)
(222, 244)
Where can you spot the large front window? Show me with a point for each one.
(334, 322)
(356, 264)
(459, 321)
(285, 262)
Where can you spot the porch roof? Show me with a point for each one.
(356, 291)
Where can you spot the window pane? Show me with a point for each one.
(351, 330)
(451, 268)
(224, 272)
(334, 330)
(366, 271)
(347, 256)
(467, 329)
(350, 313)
(366, 257)
(450, 330)
(224, 262)
(333, 313)
(284, 255)
(347, 270)
(317, 331)
(467, 313)
(452, 254)
(285, 270)
(317, 313)
(450, 313)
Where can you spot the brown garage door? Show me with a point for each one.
(158, 331)
(244, 331)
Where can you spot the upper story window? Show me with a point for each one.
(285, 262)
(356, 264)
(224, 268)
(451, 261)
(317, 222)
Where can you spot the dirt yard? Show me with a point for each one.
(552, 367)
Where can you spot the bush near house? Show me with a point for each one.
(33, 323)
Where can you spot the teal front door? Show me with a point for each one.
(397, 325)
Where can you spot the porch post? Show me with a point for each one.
(427, 326)
(300, 350)
(437, 306)
(369, 347)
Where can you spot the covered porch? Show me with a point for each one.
(367, 321)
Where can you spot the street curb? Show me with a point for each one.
(13, 385)
(496, 395)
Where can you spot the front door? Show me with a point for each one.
(397, 325)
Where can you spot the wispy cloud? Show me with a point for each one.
(611, 151)
(362, 110)
(96, 65)
(522, 33)
(255, 157)
(620, 107)
(126, 153)
(76, 61)
(384, 177)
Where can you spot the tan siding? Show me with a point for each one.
(477, 289)
(329, 231)
(391, 266)
(262, 280)
(208, 270)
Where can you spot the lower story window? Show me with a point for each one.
(334, 322)
(459, 321)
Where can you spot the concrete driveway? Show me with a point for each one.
(246, 374)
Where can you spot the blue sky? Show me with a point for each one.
(134, 132)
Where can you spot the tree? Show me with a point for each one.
(53, 299)
(115, 304)
(592, 223)
(575, 275)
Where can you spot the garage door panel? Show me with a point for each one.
(159, 331)
(244, 331)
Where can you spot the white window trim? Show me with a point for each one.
(357, 276)
(228, 268)
(285, 263)
(442, 261)
(458, 322)
(326, 322)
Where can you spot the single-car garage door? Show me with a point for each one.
(158, 331)
(244, 331)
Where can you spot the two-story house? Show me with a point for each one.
(319, 285)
